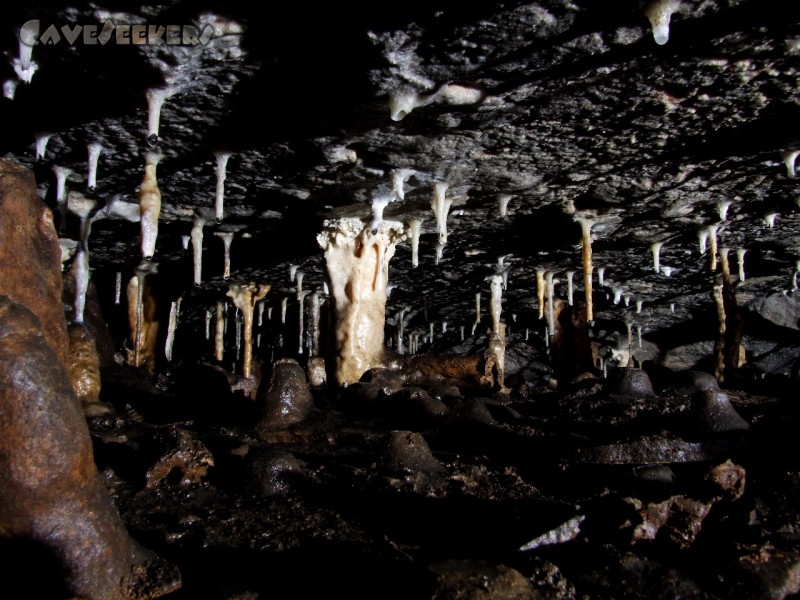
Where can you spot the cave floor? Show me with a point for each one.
(620, 496)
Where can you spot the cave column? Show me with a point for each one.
(357, 269)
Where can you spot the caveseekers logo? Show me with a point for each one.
(32, 34)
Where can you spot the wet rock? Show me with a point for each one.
(389, 380)
(479, 580)
(782, 310)
(30, 255)
(652, 450)
(657, 474)
(93, 319)
(188, 458)
(687, 357)
(698, 381)
(405, 451)
(768, 572)
(727, 478)
(273, 472)
(716, 414)
(288, 399)
(550, 582)
(83, 366)
(50, 491)
(474, 411)
(363, 398)
(677, 519)
(316, 370)
(415, 405)
(630, 382)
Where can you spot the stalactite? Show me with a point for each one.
(155, 102)
(414, 227)
(502, 204)
(80, 271)
(219, 333)
(208, 324)
(149, 205)
(41, 143)
(551, 321)
(117, 287)
(94, 150)
(740, 252)
(712, 238)
(656, 249)
(171, 326)
(219, 196)
(260, 313)
(62, 174)
(601, 276)
(441, 207)
(197, 248)
(314, 315)
(570, 288)
(586, 233)
(540, 291)
(301, 296)
(702, 237)
(284, 305)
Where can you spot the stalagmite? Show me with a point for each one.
(227, 241)
(712, 238)
(495, 304)
(117, 287)
(219, 198)
(668, 271)
(656, 249)
(551, 320)
(586, 232)
(540, 291)
(62, 173)
(219, 333)
(244, 297)
(601, 276)
(301, 296)
(41, 143)
(149, 205)
(659, 14)
(171, 326)
(357, 267)
(208, 324)
(497, 336)
(197, 248)
(81, 273)
(789, 157)
(414, 226)
(502, 204)
(740, 252)
(702, 237)
(94, 150)
(155, 101)
(284, 306)
(441, 207)
(570, 289)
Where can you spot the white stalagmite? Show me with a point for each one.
(702, 237)
(219, 333)
(197, 248)
(789, 157)
(208, 324)
(659, 14)
(540, 291)
(149, 205)
(41, 143)
(502, 204)
(655, 247)
(81, 273)
(244, 298)
(551, 320)
(155, 102)
(586, 243)
(94, 150)
(171, 326)
(284, 306)
(227, 240)
(219, 197)
(117, 287)
(357, 267)
(712, 238)
(570, 289)
(441, 207)
(740, 252)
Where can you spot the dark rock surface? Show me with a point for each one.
(287, 400)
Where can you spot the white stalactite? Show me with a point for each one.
(117, 287)
(570, 287)
(81, 273)
(659, 14)
(94, 149)
(227, 241)
(197, 249)
(441, 207)
(656, 249)
(740, 252)
(41, 143)
(502, 204)
(172, 325)
(149, 205)
(219, 195)
(414, 227)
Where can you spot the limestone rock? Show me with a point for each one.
(288, 399)
(408, 451)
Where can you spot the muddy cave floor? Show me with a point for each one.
(323, 508)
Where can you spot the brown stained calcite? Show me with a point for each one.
(30, 255)
(50, 491)
(83, 364)
(149, 336)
